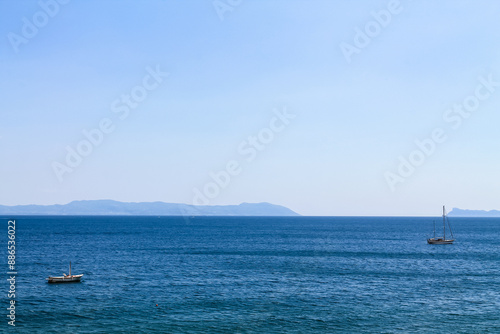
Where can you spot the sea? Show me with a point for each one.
(252, 275)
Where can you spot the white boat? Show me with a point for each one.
(442, 240)
(65, 278)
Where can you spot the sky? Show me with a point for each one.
(330, 108)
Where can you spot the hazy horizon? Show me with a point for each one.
(329, 108)
(448, 210)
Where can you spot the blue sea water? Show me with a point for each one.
(254, 275)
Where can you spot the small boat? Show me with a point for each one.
(443, 240)
(65, 278)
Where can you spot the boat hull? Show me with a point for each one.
(440, 241)
(65, 279)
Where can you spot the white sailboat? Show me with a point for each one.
(65, 278)
(442, 240)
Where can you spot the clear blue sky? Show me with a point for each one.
(354, 115)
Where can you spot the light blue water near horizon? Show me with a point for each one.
(254, 275)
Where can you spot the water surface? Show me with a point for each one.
(256, 275)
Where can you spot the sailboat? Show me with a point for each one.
(443, 240)
(65, 278)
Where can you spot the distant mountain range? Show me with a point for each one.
(473, 213)
(110, 207)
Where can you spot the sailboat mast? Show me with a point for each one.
(444, 225)
(69, 268)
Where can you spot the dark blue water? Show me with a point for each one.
(254, 275)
